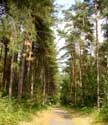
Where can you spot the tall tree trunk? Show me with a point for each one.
(107, 64)
(1, 78)
(11, 77)
(97, 57)
(1, 50)
(44, 87)
(74, 72)
(21, 77)
(81, 82)
(29, 77)
(4, 68)
(73, 80)
(32, 82)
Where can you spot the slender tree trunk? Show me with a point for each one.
(8, 71)
(74, 72)
(32, 83)
(48, 82)
(11, 77)
(73, 79)
(29, 77)
(21, 77)
(1, 48)
(5, 63)
(107, 64)
(97, 58)
(32, 87)
(81, 83)
(44, 87)
(1, 79)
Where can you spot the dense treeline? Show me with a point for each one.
(28, 68)
(28, 64)
(86, 73)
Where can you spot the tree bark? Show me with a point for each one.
(4, 68)
(44, 87)
(73, 79)
(107, 65)
(1, 51)
(21, 77)
(81, 79)
(28, 79)
(32, 83)
(11, 77)
(97, 57)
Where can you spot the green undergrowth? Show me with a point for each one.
(103, 115)
(81, 111)
(13, 112)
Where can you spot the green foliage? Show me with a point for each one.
(13, 112)
(103, 115)
(35, 19)
(65, 96)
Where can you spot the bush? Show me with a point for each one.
(13, 112)
(103, 115)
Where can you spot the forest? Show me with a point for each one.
(32, 77)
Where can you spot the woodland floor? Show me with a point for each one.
(58, 116)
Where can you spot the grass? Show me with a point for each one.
(103, 115)
(42, 118)
(13, 112)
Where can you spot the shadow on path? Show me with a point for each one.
(60, 117)
(62, 113)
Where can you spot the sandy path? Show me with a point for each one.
(55, 116)
(60, 117)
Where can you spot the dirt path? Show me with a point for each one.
(55, 116)
(58, 116)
